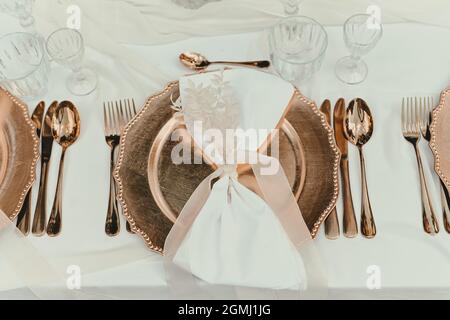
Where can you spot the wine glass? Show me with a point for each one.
(291, 7)
(24, 67)
(361, 34)
(66, 47)
(298, 45)
(21, 9)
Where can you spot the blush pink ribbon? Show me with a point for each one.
(277, 193)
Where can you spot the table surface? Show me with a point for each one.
(410, 60)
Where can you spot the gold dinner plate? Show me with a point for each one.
(18, 153)
(153, 190)
(440, 137)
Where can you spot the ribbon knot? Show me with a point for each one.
(230, 170)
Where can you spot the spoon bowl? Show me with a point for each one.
(66, 124)
(358, 123)
(194, 60)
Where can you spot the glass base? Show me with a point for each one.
(83, 82)
(351, 71)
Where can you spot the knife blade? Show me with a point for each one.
(38, 117)
(47, 136)
(39, 218)
(332, 231)
(341, 141)
(23, 218)
(350, 224)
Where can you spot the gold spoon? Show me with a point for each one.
(358, 128)
(196, 61)
(65, 131)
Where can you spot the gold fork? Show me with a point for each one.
(427, 105)
(411, 122)
(116, 115)
(127, 113)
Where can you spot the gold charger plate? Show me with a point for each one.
(18, 154)
(153, 190)
(440, 137)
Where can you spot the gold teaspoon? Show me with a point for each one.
(358, 129)
(65, 131)
(196, 61)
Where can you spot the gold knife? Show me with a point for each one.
(332, 231)
(350, 224)
(39, 218)
(23, 219)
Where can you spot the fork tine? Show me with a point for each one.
(134, 108)
(411, 115)
(115, 109)
(123, 119)
(430, 107)
(403, 115)
(111, 118)
(416, 114)
(127, 110)
(105, 120)
(408, 115)
(423, 117)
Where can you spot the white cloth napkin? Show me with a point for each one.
(240, 243)
(236, 238)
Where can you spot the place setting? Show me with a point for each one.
(229, 176)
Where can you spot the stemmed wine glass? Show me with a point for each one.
(361, 34)
(66, 47)
(23, 65)
(21, 9)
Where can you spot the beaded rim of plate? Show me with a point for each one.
(32, 172)
(433, 143)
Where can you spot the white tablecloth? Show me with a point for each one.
(411, 59)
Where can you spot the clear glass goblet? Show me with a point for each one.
(21, 9)
(361, 34)
(297, 48)
(24, 67)
(66, 47)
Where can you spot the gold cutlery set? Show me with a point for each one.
(416, 121)
(353, 124)
(61, 123)
(116, 115)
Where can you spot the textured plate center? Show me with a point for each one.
(172, 184)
